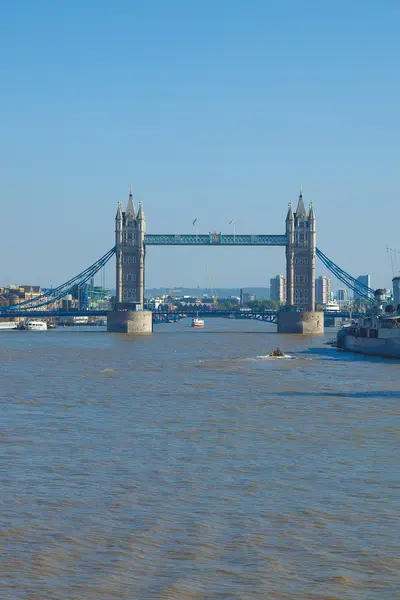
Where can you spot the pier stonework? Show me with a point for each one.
(129, 321)
(301, 234)
(306, 323)
(128, 315)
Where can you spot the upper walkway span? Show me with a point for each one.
(214, 239)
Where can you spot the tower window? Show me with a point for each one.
(301, 260)
(300, 278)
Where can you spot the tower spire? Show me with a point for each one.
(130, 208)
(301, 209)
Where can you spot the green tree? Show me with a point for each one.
(262, 305)
(226, 305)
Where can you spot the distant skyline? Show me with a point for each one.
(214, 111)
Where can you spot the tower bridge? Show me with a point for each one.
(131, 241)
(299, 239)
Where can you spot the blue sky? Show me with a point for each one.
(215, 109)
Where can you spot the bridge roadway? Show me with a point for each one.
(267, 315)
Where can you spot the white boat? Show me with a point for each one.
(7, 325)
(196, 322)
(36, 325)
(332, 307)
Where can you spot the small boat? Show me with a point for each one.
(36, 325)
(277, 353)
(196, 322)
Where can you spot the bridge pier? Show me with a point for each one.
(130, 321)
(306, 323)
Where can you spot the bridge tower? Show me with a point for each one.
(128, 315)
(300, 256)
(301, 230)
(130, 228)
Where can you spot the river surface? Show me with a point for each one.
(188, 465)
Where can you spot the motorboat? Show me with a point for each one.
(36, 325)
(197, 323)
(277, 353)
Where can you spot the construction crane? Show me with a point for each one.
(214, 298)
(393, 258)
(172, 291)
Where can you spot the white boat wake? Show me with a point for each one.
(272, 357)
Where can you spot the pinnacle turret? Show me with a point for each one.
(289, 216)
(311, 214)
(118, 216)
(140, 214)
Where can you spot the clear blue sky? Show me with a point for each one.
(215, 109)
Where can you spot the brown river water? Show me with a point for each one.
(188, 465)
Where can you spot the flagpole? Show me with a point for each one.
(234, 229)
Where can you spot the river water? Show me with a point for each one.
(187, 465)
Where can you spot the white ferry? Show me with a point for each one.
(198, 323)
(332, 307)
(36, 325)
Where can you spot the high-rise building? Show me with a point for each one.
(278, 288)
(342, 296)
(365, 280)
(246, 297)
(322, 290)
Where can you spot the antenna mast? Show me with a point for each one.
(209, 282)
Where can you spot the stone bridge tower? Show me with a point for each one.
(300, 257)
(300, 272)
(128, 315)
(130, 227)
